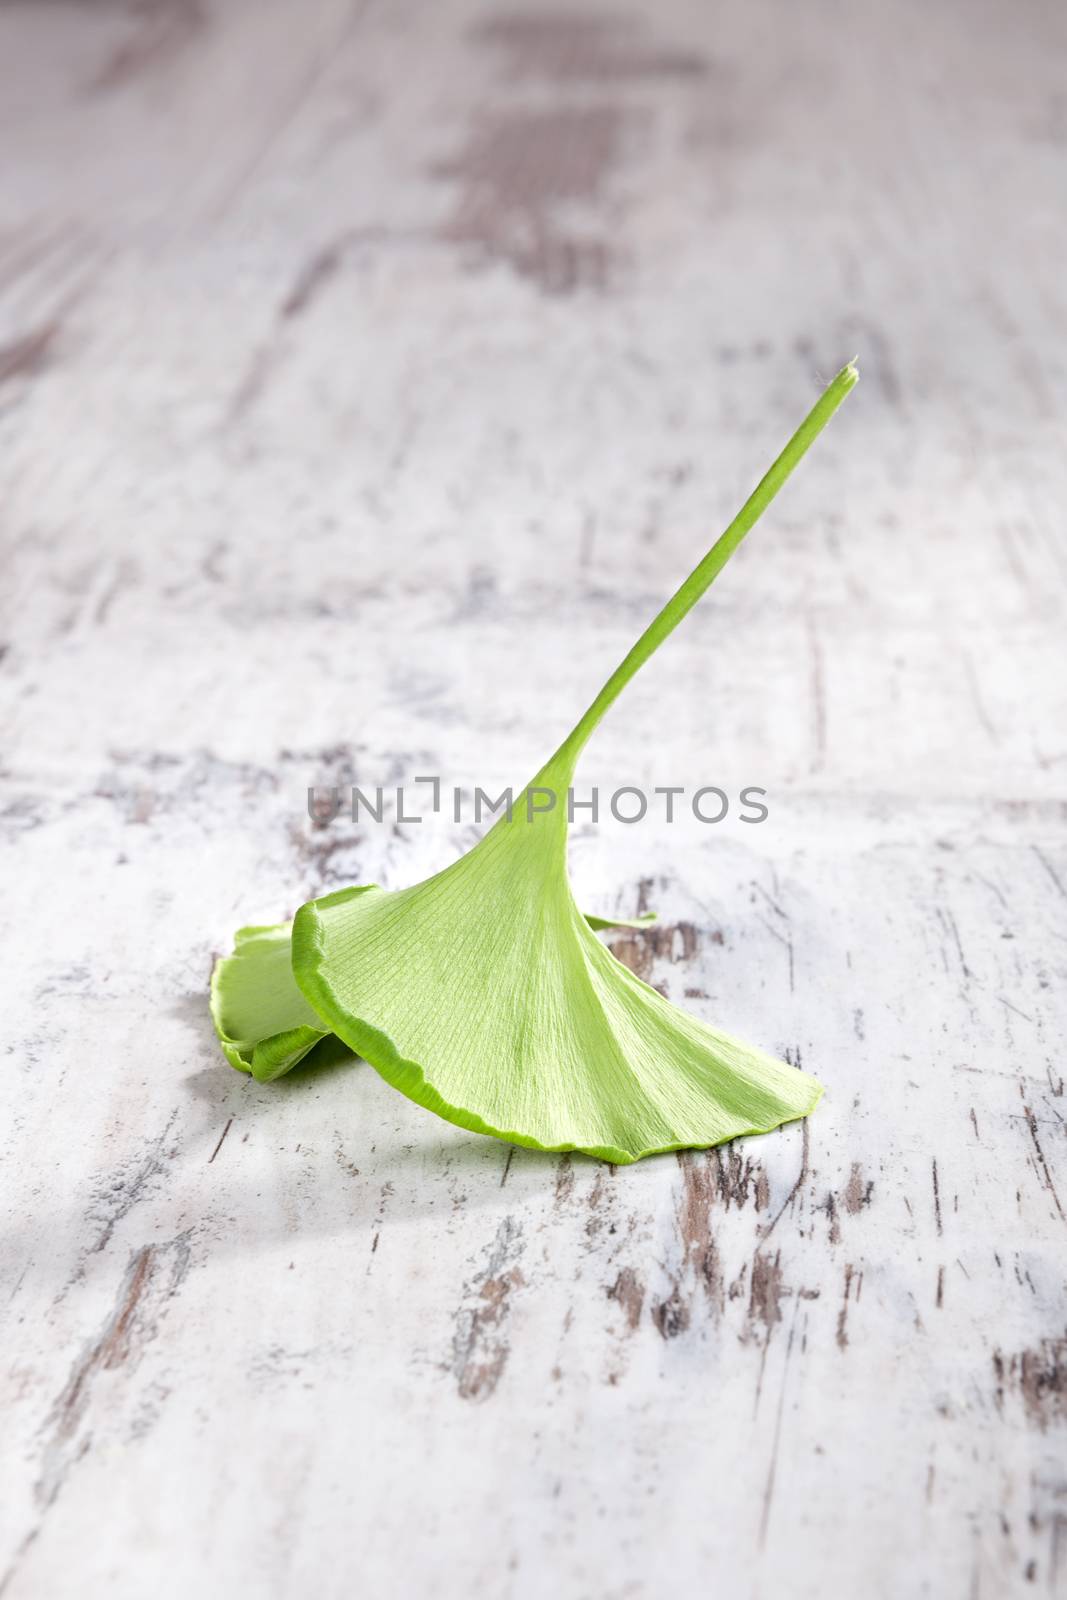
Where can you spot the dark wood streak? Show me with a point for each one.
(640, 948)
(842, 1316)
(628, 1291)
(164, 27)
(765, 1295)
(26, 355)
(142, 1299)
(1031, 1123)
(560, 47)
(517, 174)
(480, 1346)
(313, 277)
(857, 1192)
(1040, 1375)
(671, 1315)
(699, 1253)
(218, 1146)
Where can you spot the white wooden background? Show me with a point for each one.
(368, 374)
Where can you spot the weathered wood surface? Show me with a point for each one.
(368, 373)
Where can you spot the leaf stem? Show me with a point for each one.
(699, 580)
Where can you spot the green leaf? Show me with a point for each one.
(483, 994)
(264, 1024)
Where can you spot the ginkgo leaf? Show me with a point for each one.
(264, 1024)
(483, 994)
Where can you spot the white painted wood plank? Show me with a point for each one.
(364, 386)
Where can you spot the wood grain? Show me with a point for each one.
(366, 381)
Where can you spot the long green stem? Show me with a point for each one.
(703, 575)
